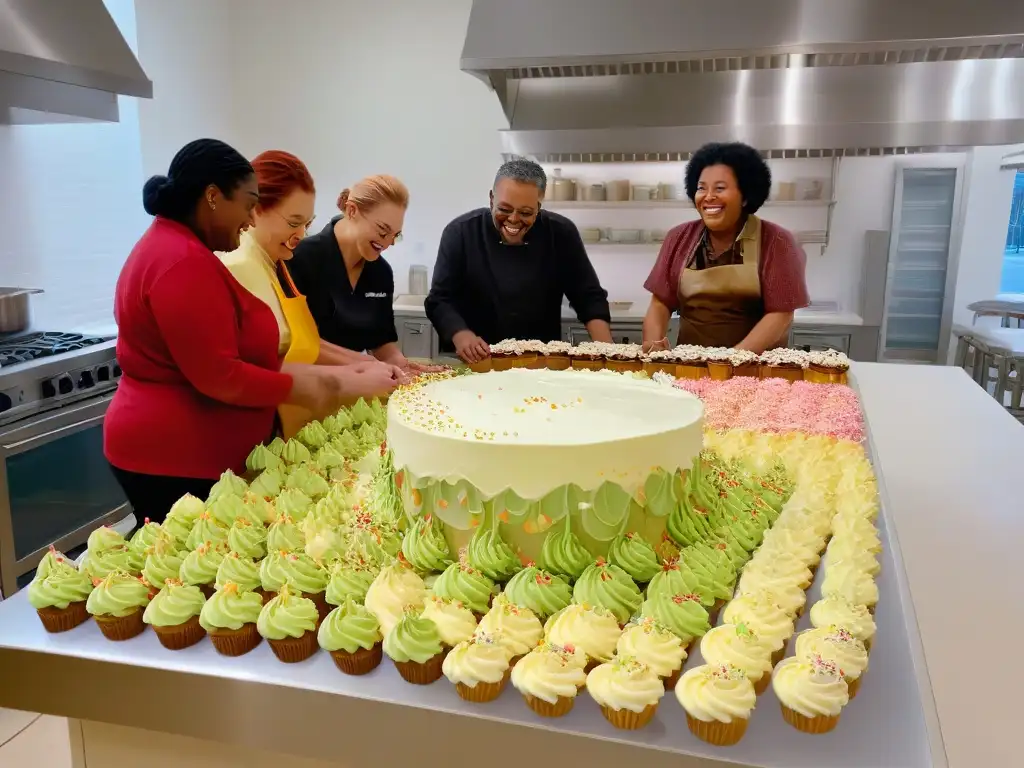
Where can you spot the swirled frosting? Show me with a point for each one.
(200, 566)
(481, 659)
(549, 673)
(413, 638)
(538, 591)
(454, 620)
(394, 588)
(834, 644)
(230, 608)
(119, 594)
(63, 585)
(563, 554)
(761, 612)
(465, 584)
(720, 693)
(175, 604)
(814, 686)
(243, 571)
(592, 629)
(491, 555)
(349, 627)
(739, 646)
(610, 587)
(635, 556)
(425, 547)
(654, 645)
(682, 615)
(625, 683)
(840, 612)
(289, 614)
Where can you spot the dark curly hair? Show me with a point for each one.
(753, 175)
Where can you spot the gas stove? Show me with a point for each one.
(43, 371)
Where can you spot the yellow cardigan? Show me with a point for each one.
(255, 270)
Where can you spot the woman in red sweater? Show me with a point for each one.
(202, 377)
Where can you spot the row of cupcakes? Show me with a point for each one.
(685, 361)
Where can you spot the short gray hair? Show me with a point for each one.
(523, 170)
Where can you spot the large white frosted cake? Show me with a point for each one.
(531, 446)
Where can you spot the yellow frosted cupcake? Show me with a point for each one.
(394, 589)
(840, 612)
(549, 677)
(739, 646)
(655, 646)
(718, 701)
(478, 667)
(517, 628)
(592, 629)
(838, 645)
(812, 693)
(454, 621)
(627, 690)
(761, 612)
(846, 581)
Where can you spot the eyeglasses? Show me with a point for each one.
(304, 226)
(384, 231)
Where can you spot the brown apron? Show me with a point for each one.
(719, 306)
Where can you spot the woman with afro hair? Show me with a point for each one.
(734, 278)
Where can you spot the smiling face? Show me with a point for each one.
(514, 209)
(227, 216)
(719, 199)
(280, 229)
(377, 229)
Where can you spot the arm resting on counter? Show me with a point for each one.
(332, 354)
(447, 286)
(656, 323)
(767, 333)
(196, 317)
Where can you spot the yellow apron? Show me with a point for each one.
(304, 348)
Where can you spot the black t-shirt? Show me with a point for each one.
(359, 318)
(501, 291)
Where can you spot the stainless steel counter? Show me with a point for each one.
(948, 462)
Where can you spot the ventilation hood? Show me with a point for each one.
(655, 79)
(64, 61)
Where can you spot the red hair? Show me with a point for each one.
(279, 174)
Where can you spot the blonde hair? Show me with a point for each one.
(370, 192)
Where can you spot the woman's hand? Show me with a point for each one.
(415, 368)
(653, 346)
(470, 348)
(368, 380)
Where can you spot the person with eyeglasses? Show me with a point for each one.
(501, 272)
(281, 219)
(350, 288)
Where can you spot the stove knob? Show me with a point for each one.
(103, 374)
(85, 380)
(5, 402)
(48, 389)
(65, 385)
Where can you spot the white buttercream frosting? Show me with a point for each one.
(536, 430)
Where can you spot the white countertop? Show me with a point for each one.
(951, 461)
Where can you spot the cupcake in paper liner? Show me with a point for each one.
(351, 634)
(394, 588)
(289, 623)
(838, 645)
(60, 594)
(627, 690)
(549, 678)
(539, 591)
(812, 692)
(718, 701)
(478, 667)
(117, 604)
(661, 650)
(838, 611)
(517, 628)
(592, 629)
(739, 646)
(174, 615)
(414, 645)
(455, 622)
(230, 617)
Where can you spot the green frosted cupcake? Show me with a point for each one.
(539, 591)
(682, 615)
(463, 583)
(294, 453)
(351, 634)
(268, 484)
(425, 547)
(609, 587)
(309, 482)
(60, 596)
(563, 554)
(347, 582)
(247, 539)
(144, 538)
(314, 435)
(635, 556)
(489, 553)
(105, 538)
(260, 459)
(199, 568)
(117, 604)
(243, 571)
(163, 563)
(676, 578)
(207, 528)
(293, 503)
(289, 623)
(229, 484)
(414, 645)
(174, 615)
(99, 565)
(227, 509)
(285, 535)
(230, 617)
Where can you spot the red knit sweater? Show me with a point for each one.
(199, 354)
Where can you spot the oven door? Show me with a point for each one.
(55, 487)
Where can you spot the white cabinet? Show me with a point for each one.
(921, 270)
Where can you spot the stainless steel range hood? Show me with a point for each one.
(64, 60)
(607, 79)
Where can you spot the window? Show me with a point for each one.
(1013, 257)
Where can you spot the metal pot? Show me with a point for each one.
(14, 309)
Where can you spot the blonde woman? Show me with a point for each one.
(280, 221)
(349, 286)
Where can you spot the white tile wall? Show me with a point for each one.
(72, 208)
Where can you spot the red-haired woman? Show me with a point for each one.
(281, 219)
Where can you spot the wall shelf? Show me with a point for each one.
(556, 205)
